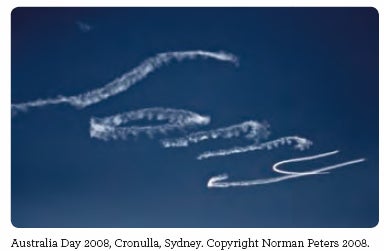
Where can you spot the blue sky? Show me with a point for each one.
(311, 72)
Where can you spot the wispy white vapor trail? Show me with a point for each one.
(252, 130)
(127, 80)
(111, 127)
(276, 169)
(220, 181)
(120, 126)
(299, 143)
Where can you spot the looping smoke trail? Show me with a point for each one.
(251, 130)
(110, 127)
(276, 169)
(220, 181)
(299, 143)
(127, 80)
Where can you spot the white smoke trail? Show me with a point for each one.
(299, 143)
(124, 82)
(110, 127)
(220, 181)
(252, 130)
(276, 169)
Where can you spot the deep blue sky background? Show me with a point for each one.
(311, 72)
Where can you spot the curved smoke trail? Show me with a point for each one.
(220, 181)
(110, 127)
(251, 130)
(322, 155)
(299, 143)
(124, 82)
